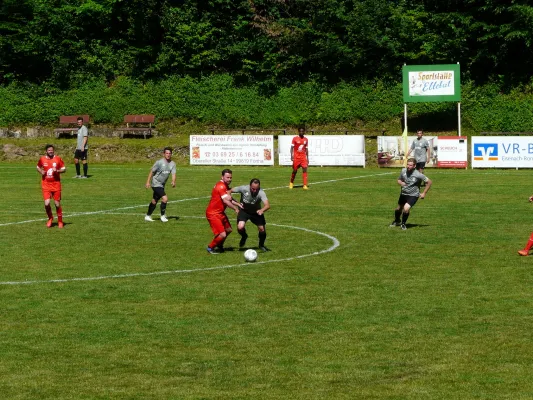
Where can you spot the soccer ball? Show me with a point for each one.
(250, 255)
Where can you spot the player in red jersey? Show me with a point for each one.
(529, 244)
(215, 212)
(299, 157)
(50, 167)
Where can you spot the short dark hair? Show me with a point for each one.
(167, 148)
(226, 171)
(255, 180)
(48, 146)
(411, 160)
(80, 119)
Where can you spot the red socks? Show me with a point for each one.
(217, 241)
(529, 244)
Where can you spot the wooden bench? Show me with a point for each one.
(135, 124)
(72, 122)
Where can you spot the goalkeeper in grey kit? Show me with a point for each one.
(157, 178)
(251, 198)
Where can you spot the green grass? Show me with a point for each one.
(141, 311)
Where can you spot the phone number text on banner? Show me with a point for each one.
(231, 149)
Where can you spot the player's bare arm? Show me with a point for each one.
(173, 183)
(266, 207)
(147, 185)
(228, 201)
(428, 185)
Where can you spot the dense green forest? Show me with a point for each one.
(253, 51)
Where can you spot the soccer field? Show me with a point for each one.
(343, 307)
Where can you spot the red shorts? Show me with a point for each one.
(299, 162)
(52, 194)
(219, 223)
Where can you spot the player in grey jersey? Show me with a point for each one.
(82, 148)
(409, 180)
(157, 178)
(422, 151)
(251, 198)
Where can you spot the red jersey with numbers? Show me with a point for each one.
(51, 181)
(216, 205)
(299, 147)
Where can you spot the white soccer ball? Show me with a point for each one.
(250, 255)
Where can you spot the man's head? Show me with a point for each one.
(79, 121)
(255, 186)
(411, 164)
(301, 131)
(227, 176)
(167, 152)
(419, 134)
(49, 148)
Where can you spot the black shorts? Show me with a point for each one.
(158, 192)
(404, 199)
(80, 154)
(258, 220)
(420, 165)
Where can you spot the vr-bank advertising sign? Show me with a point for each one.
(327, 150)
(502, 152)
(423, 83)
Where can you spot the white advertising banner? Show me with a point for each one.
(502, 152)
(392, 150)
(452, 152)
(348, 150)
(231, 149)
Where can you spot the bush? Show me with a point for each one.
(219, 101)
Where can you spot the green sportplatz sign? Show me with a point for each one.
(423, 83)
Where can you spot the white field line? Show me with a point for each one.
(335, 244)
(181, 200)
(335, 241)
